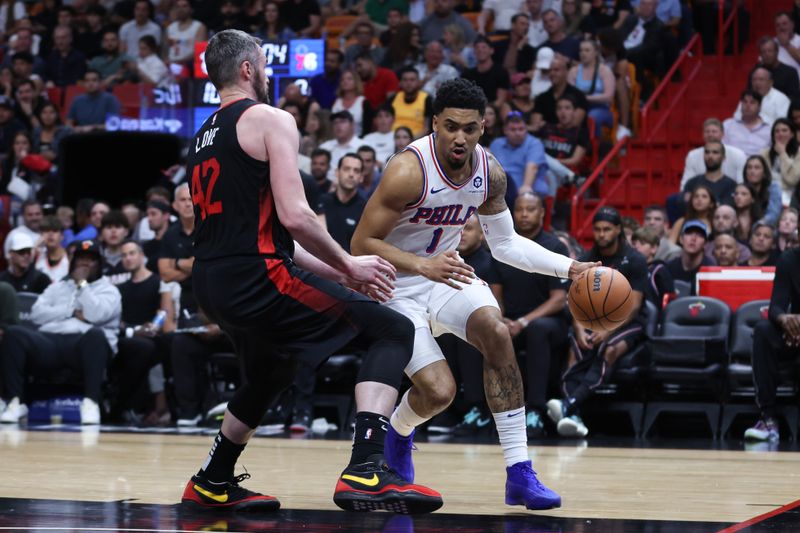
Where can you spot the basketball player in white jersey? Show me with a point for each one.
(414, 220)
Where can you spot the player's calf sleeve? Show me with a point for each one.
(391, 342)
(251, 401)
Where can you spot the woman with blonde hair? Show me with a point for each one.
(597, 81)
(456, 50)
(350, 97)
(701, 206)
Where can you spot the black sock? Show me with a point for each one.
(218, 468)
(370, 433)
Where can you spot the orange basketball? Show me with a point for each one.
(600, 299)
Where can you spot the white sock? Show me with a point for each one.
(513, 436)
(404, 419)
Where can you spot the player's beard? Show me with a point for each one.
(455, 164)
(261, 88)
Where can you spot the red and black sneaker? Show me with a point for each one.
(203, 494)
(373, 486)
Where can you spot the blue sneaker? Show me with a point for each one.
(523, 488)
(397, 451)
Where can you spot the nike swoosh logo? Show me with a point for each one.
(219, 498)
(513, 414)
(481, 423)
(434, 191)
(364, 481)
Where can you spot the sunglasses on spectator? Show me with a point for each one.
(512, 114)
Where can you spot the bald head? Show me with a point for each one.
(725, 220)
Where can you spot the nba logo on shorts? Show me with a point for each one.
(368, 434)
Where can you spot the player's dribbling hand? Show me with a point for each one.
(373, 273)
(447, 268)
(577, 267)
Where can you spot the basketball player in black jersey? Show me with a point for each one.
(279, 304)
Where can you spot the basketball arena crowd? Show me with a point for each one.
(97, 295)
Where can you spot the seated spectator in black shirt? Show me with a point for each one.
(726, 250)
(645, 40)
(533, 310)
(721, 185)
(693, 241)
(65, 65)
(343, 207)
(776, 340)
(320, 163)
(762, 246)
(568, 140)
(517, 55)
(21, 273)
(596, 352)
(544, 109)
(784, 77)
(9, 127)
(659, 280)
(158, 216)
(114, 230)
(29, 104)
(489, 76)
(177, 254)
(147, 313)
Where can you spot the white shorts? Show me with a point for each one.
(435, 309)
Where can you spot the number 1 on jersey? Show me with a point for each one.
(437, 234)
(203, 199)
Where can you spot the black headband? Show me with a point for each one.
(607, 214)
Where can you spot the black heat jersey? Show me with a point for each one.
(234, 208)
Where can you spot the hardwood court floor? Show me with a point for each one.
(615, 483)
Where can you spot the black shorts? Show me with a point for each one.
(270, 306)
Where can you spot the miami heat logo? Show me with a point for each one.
(696, 308)
(85, 245)
(477, 182)
(764, 309)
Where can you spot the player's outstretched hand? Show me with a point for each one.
(448, 267)
(374, 275)
(577, 267)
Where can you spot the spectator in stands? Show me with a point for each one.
(644, 39)
(142, 344)
(732, 165)
(177, 257)
(50, 132)
(518, 55)
(114, 67)
(27, 174)
(776, 340)
(522, 156)
(566, 141)
(402, 138)
(693, 239)
(557, 38)
(149, 67)
(749, 133)
(720, 184)
(700, 206)
(788, 41)
(432, 26)
(597, 81)
(134, 215)
(32, 214)
(572, 244)
(365, 35)
(405, 48)
(324, 85)
(229, 17)
(84, 228)
(52, 258)
(114, 229)
(393, 15)
(629, 226)
(274, 28)
(21, 273)
(488, 75)
(762, 246)
(533, 309)
(725, 222)
(100, 209)
(540, 82)
(784, 78)
(89, 111)
(774, 104)
(726, 250)
(787, 229)
(350, 97)
(544, 110)
(131, 32)
(596, 352)
(574, 16)
(382, 139)
(28, 103)
(608, 13)
(646, 241)
(501, 12)
(21, 44)
(371, 174)
(748, 212)
(520, 98)
(307, 106)
(432, 70)
(784, 157)
(457, 52)
(65, 65)
(23, 68)
(379, 83)
(9, 127)
(492, 126)
(537, 34)
(344, 206)
(142, 231)
(78, 319)
(320, 164)
(655, 218)
(158, 221)
(412, 107)
(302, 16)
(344, 140)
(184, 31)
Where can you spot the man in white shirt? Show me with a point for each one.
(536, 32)
(732, 165)
(788, 40)
(749, 133)
(141, 25)
(774, 104)
(31, 219)
(502, 11)
(382, 140)
(183, 33)
(344, 140)
(433, 72)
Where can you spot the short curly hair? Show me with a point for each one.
(460, 94)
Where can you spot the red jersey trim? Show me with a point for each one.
(295, 288)
(266, 245)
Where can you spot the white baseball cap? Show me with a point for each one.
(544, 57)
(20, 241)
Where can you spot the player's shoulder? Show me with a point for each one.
(260, 111)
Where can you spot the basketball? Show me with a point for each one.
(600, 299)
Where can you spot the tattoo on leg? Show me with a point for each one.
(503, 387)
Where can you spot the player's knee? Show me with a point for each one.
(401, 329)
(491, 337)
(441, 396)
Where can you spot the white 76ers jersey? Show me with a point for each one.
(433, 223)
